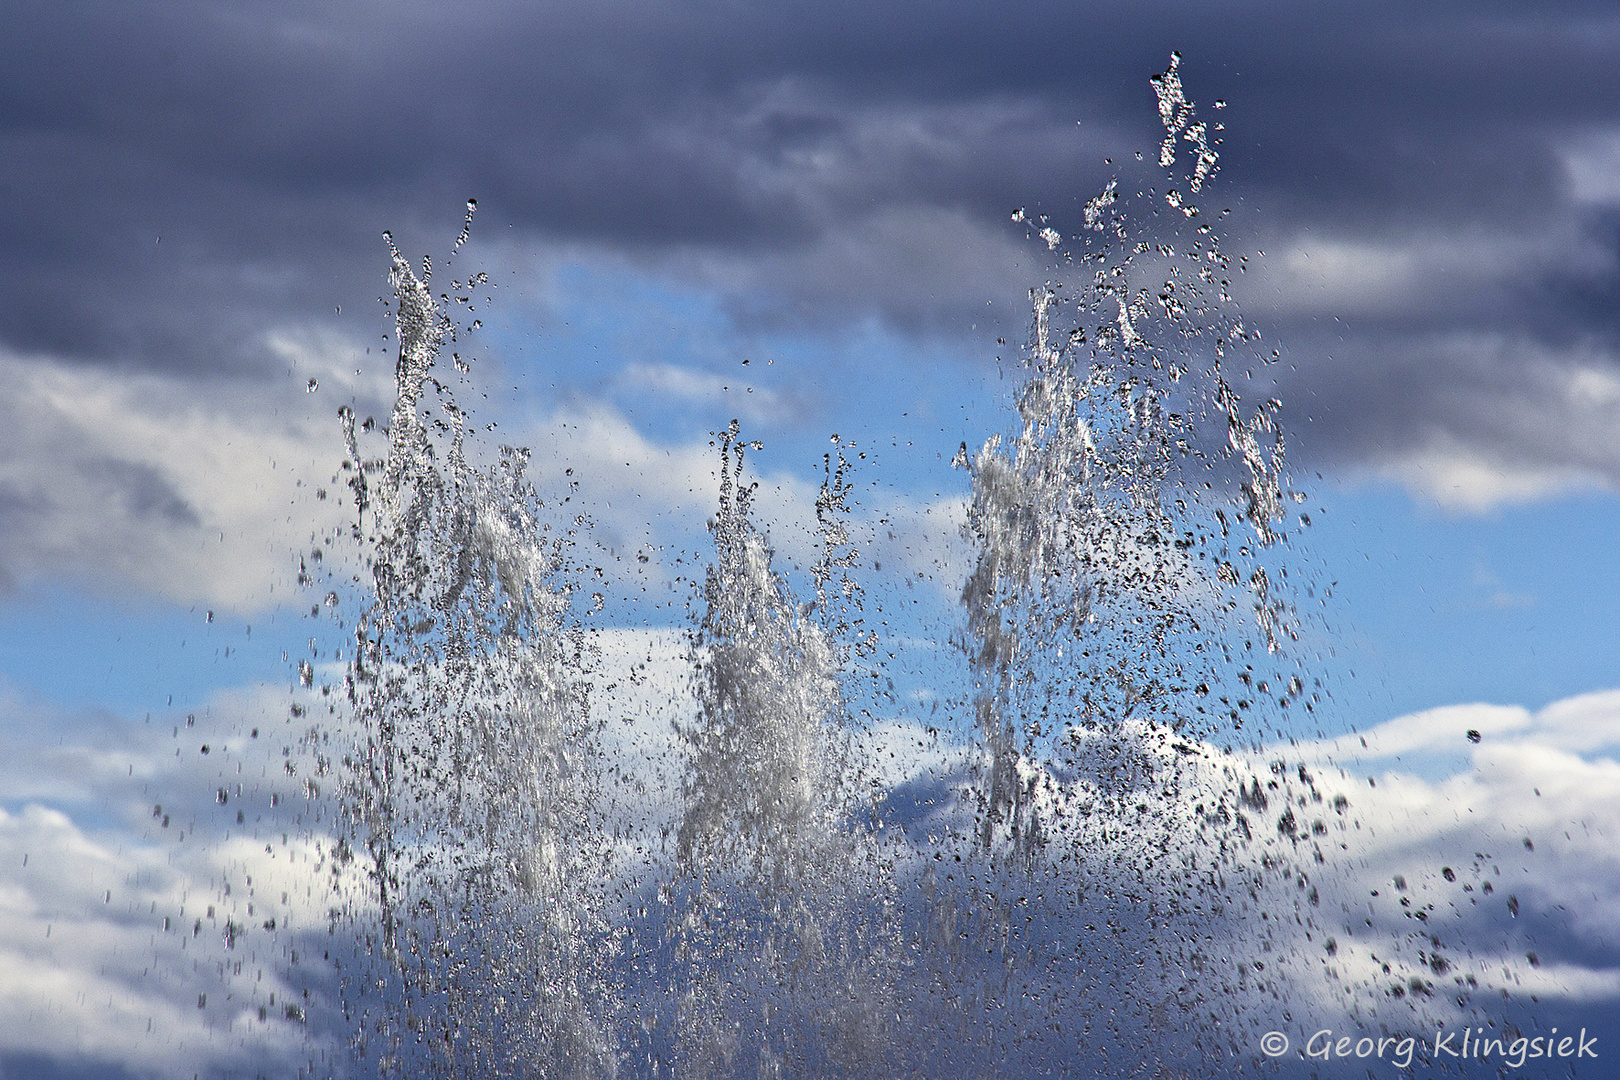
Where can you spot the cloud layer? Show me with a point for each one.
(191, 189)
(140, 938)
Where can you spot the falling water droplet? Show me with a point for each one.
(739, 885)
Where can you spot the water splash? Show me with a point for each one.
(472, 775)
(759, 759)
(778, 925)
(1086, 869)
(1108, 575)
(1179, 119)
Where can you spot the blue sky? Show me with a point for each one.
(1431, 604)
(802, 218)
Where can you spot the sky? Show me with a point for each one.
(800, 216)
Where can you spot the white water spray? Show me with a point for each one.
(1088, 885)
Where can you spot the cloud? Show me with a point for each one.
(1467, 479)
(100, 958)
(146, 483)
(1592, 164)
(641, 493)
(1524, 828)
(756, 405)
(1498, 419)
(139, 927)
(1461, 272)
(140, 483)
(1445, 728)
(200, 181)
(103, 872)
(1577, 724)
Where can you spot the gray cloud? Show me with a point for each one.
(179, 178)
(171, 487)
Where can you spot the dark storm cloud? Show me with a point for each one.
(179, 178)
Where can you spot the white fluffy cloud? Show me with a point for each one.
(1581, 724)
(641, 495)
(142, 925)
(1477, 478)
(139, 483)
(1417, 856)
(1518, 838)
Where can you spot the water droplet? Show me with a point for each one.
(1105, 589)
